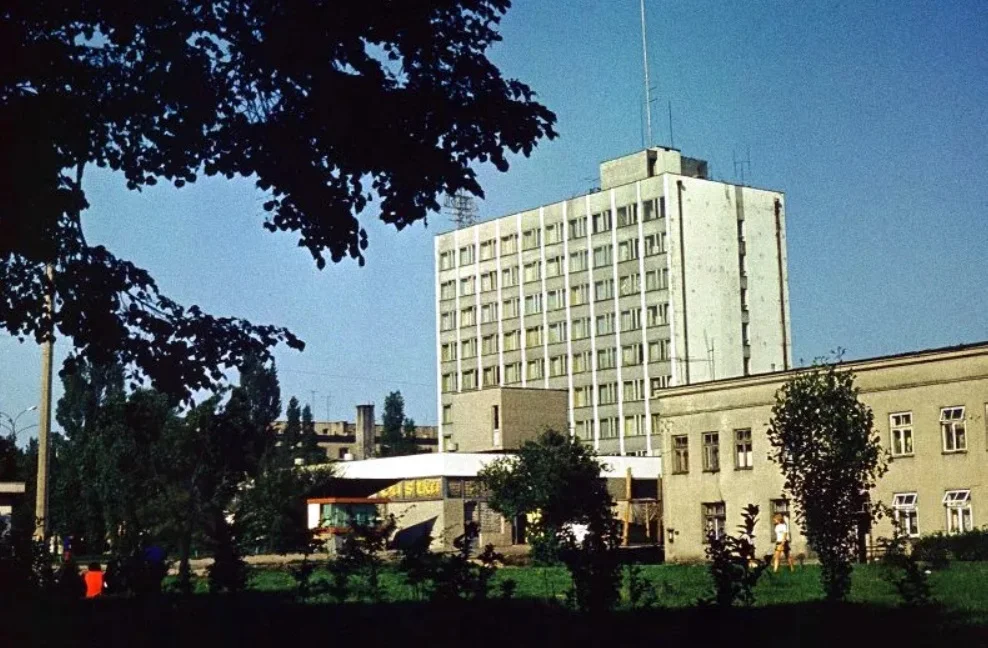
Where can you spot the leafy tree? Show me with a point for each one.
(309, 449)
(823, 439)
(332, 114)
(291, 435)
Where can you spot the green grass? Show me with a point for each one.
(960, 588)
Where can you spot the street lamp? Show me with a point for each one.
(12, 422)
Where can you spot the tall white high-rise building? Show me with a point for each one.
(663, 277)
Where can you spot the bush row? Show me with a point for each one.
(938, 548)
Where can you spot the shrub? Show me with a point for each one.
(904, 571)
(734, 567)
(938, 549)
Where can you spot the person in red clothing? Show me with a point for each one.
(94, 580)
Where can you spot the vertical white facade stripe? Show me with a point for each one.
(619, 350)
(439, 345)
(499, 307)
(521, 303)
(673, 331)
(644, 322)
(545, 301)
(569, 320)
(588, 230)
(476, 306)
(457, 315)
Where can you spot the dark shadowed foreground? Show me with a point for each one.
(261, 619)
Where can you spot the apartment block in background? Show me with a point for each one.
(661, 278)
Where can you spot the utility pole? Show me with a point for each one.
(44, 424)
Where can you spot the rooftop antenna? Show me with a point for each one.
(461, 209)
(672, 142)
(740, 164)
(648, 89)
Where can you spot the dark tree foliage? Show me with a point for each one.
(334, 109)
(309, 449)
(734, 565)
(291, 434)
(398, 433)
(824, 440)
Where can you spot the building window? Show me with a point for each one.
(447, 413)
(742, 449)
(468, 316)
(711, 452)
(579, 295)
(634, 425)
(603, 289)
(489, 344)
(581, 362)
(660, 382)
(906, 515)
(628, 250)
(655, 244)
(578, 261)
(466, 255)
(470, 379)
(533, 336)
(447, 321)
(714, 520)
(606, 359)
(608, 428)
(657, 279)
(447, 260)
(578, 227)
(492, 376)
(630, 284)
(582, 396)
(496, 424)
(487, 249)
(658, 315)
(448, 351)
(553, 233)
(607, 393)
(449, 382)
(952, 429)
(601, 222)
(447, 290)
(631, 320)
(531, 239)
(488, 313)
(554, 266)
(627, 215)
(557, 332)
(509, 244)
(556, 299)
(652, 209)
(658, 350)
(509, 308)
(680, 454)
(533, 304)
(602, 256)
(632, 354)
(533, 271)
(584, 429)
(512, 340)
(470, 348)
(958, 505)
(509, 276)
(512, 373)
(605, 324)
(634, 390)
(488, 281)
(580, 328)
(901, 425)
(557, 366)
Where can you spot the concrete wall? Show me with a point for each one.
(523, 413)
(921, 383)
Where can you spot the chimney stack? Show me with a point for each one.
(365, 431)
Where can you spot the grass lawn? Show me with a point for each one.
(962, 588)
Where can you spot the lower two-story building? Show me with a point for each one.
(930, 409)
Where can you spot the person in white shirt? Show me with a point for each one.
(781, 543)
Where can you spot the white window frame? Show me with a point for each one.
(900, 429)
(950, 423)
(906, 513)
(957, 504)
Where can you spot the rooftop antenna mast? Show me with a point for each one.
(461, 209)
(648, 89)
(740, 164)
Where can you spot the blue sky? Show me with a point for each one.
(872, 116)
